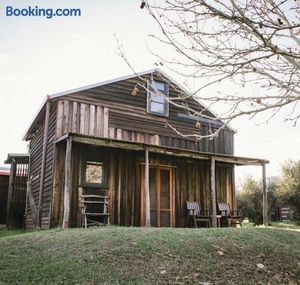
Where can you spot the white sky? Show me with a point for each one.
(41, 56)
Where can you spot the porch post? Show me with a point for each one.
(213, 192)
(265, 197)
(147, 194)
(67, 184)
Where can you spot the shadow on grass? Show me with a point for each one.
(4, 232)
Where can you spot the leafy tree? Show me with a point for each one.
(289, 187)
(249, 199)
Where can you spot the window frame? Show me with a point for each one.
(165, 103)
(92, 157)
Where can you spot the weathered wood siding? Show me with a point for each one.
(136, 126)
(191, 182)
(110, 111)
(36, 150)
(3, 197)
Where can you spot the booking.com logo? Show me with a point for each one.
(42, 12)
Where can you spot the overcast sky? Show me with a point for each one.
(41, 56)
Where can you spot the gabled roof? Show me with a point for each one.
(38, 115)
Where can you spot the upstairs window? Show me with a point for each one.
(157, 102)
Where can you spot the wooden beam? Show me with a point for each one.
(67, 184)
(213, 193)
(147, 190)
(43, 163)
(265, 197)
(140, 146)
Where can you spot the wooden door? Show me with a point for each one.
(161, 197)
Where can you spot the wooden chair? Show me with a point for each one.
(94, 210)
(232, 217)
(198, 215)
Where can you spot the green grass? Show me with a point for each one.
(286, 225)
(119, 255)
(5, 232)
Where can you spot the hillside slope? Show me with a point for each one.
(114, 255)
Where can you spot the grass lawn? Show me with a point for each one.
(286, 225)
(120, 255)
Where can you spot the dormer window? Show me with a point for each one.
(157, 102)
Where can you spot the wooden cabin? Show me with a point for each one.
(131, 139)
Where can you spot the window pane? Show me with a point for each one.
(157, 98)
(157, 107)
(159, 86)
(94, 172)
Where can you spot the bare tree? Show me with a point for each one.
(245, 41)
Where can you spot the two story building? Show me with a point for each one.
(135, 140)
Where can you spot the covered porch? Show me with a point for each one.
(146, 185)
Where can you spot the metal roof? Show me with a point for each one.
(4, 171)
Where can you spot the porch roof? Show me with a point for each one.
(17, 157)
(172, 151)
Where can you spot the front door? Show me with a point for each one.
(161, 197)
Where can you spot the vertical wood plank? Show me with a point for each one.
(59, 120)
(81, 120)
(86, 119)
(158, 188)
(213, 192)
(143, 196)
(105, 123)
(119, 189)
(119, 134)
(132, 179)
(74, 118)
(66, 117)
(147, 190)
(92, 121)
(111, 133)
(111, 190)
(99, 121)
